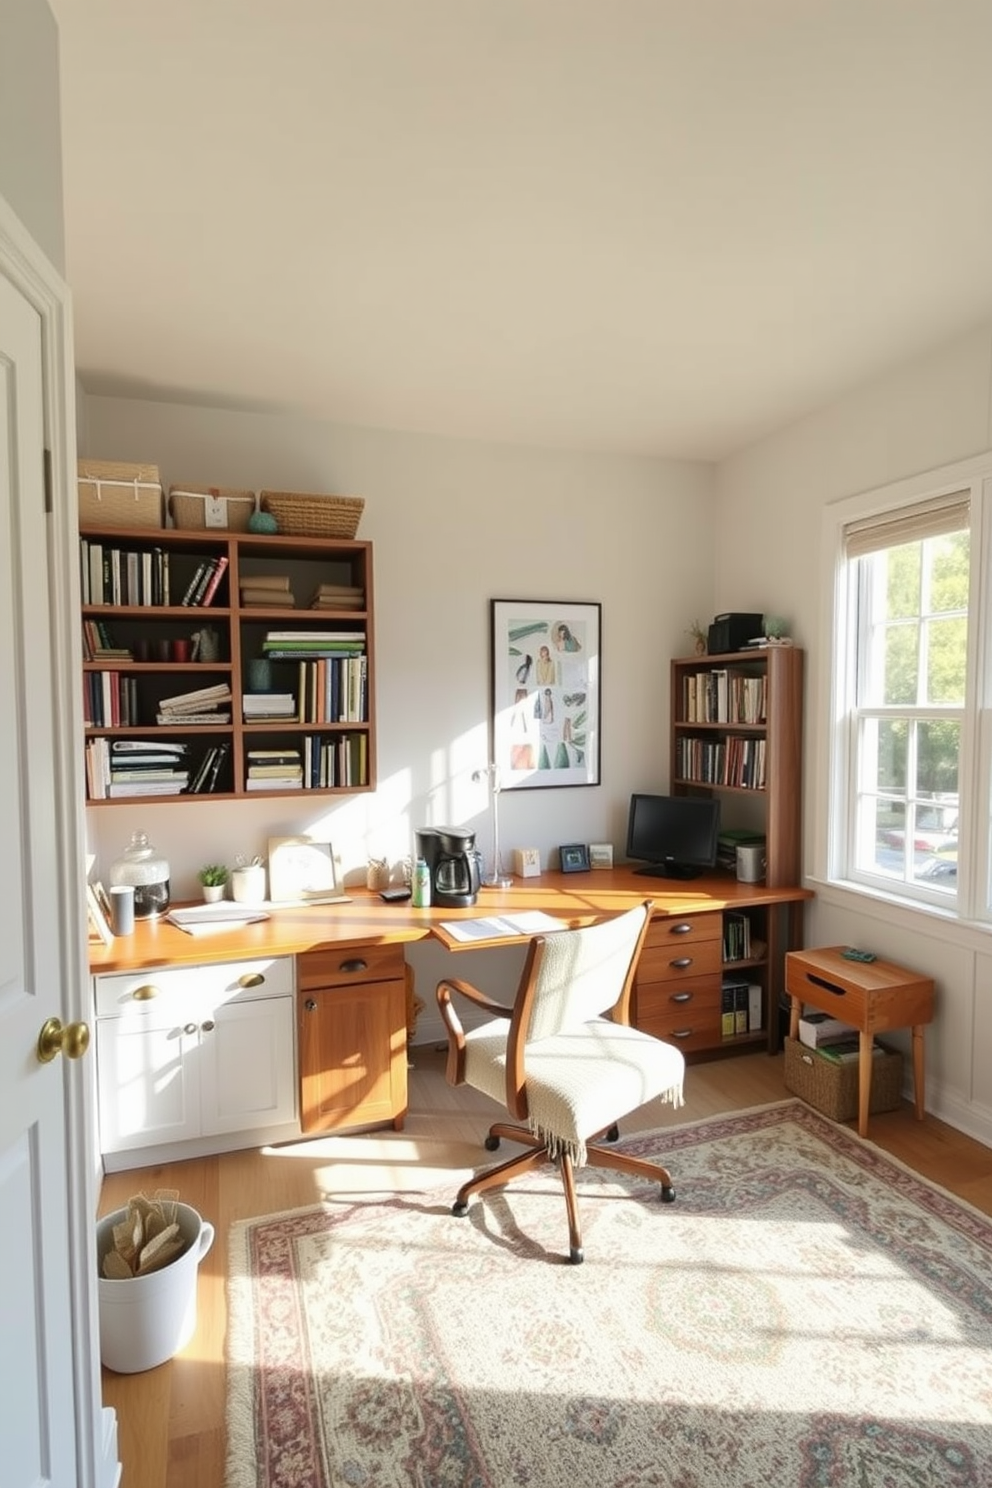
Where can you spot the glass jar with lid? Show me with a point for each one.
(148, 874)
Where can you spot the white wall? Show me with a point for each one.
(454, 525)
(770, 502)
(30, 140)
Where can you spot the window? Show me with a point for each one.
(910, 590)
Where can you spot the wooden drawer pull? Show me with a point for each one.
(681, 997)
(146, 992)
(680, 963)
(827, 986)
(357, 964)
(251, 979)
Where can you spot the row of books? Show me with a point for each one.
(121, 576)
(321, 763)
(121, 768)
(737, 761)
(740, 1007)
(334, 689)
(205, 582)
(722, 695)
(110, 700)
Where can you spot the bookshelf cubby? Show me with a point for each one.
(736, 732)
(146, 605)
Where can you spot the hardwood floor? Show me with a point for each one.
(171, 1419)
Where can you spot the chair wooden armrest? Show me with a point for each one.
(455, 1069)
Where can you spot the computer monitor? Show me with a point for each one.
(674, 836)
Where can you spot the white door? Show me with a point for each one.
(37, 1403)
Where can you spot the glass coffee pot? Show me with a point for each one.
(147, 872)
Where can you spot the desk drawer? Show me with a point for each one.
(341, 965)
(674, 962)
(681, 930)
(146, 992)
(687, 1014)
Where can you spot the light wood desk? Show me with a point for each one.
(166, 999)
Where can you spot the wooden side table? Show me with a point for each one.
(871, 996)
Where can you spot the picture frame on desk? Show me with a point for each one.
(546, 676)
(574, 857)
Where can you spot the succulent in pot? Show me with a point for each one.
(213, 879)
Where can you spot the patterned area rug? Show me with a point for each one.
(807, 1314)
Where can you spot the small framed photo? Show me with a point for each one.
(601, 855)
(574, 857)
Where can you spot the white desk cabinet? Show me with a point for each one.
(195, 1059)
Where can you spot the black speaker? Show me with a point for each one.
(732, 632)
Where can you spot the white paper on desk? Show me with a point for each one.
(531, 922)
(205, 919)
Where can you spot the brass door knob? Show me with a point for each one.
(73, 1040)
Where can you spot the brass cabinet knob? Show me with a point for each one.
(73, 1040)
(145, 992)
(251, 979)
(310, 1005)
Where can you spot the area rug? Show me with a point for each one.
(807, 1314)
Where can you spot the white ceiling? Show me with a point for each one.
(654, 226)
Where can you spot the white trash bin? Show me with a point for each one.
(144, 1320)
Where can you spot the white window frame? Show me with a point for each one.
(834, 810)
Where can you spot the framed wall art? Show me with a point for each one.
(546, 664)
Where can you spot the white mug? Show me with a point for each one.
(248, 884)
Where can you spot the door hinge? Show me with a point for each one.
(47, 464)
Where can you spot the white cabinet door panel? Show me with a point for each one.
(247, 1069)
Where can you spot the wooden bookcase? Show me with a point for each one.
(147, 617)
(752, 753)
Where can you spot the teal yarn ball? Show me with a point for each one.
(262, 521)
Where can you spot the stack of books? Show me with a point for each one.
(204, 705)
(267, 591)
(818, 1029)
(147, 767)
(263, 705)
(338, 597)
(740, 1006)
(274, 769)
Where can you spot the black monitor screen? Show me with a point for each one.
(674, 836)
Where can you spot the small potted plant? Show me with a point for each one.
(213, 879)
(699, 636)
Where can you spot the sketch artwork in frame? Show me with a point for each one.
(546, 660)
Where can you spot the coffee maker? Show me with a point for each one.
(453, 862)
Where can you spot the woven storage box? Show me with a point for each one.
(114, 493)
(300, 515)
(214, 507)
(833, 1088)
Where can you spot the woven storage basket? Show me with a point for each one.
(115, 493)
(833, 1088)
(301, 515)
(214, 507)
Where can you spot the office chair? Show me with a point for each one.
(564, 1059)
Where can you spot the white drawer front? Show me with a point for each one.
(182, 988)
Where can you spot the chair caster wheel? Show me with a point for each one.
(576, 1257)
(460, 1207)
(667, 1194)
(613, 1135)
(492, 1144)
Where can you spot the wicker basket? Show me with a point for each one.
(833, 1088)
(300, 515)
(219, 508)
(115, 493)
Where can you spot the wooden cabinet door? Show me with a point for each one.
(247, 1074)
(352, 1052)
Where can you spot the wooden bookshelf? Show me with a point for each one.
(135, 600)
